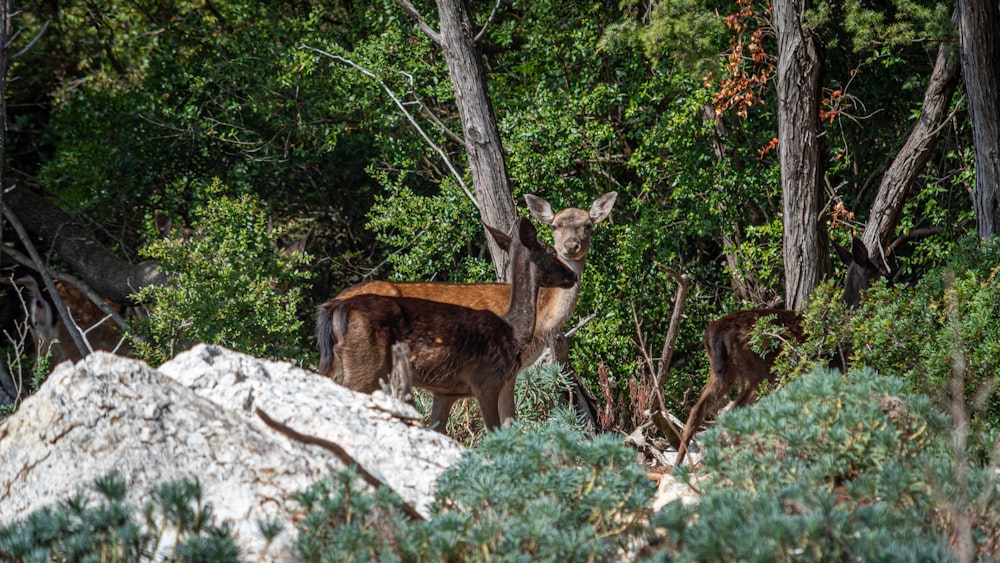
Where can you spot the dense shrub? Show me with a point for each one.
(545, 494)
(946, 324)
(831, 467)
(229, 285)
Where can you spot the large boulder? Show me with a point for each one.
(196, 417)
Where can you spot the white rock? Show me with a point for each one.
(195, 417)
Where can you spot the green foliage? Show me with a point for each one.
(342, 524)
(229, 285)
(548, 494)
(831, 467)
(539, 392)
(77, 529)
(948, 322)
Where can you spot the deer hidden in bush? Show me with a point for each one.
(732, 360)
(455, 351)
(52, 333)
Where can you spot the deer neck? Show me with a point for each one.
(556, 304)
(521, 311)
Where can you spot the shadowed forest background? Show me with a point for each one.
(334, 124)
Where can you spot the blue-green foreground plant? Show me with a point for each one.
(109, 530)
(544, 493)
(832, 467)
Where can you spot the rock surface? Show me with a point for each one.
(195, 417)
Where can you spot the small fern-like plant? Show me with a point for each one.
(538, 492)
(109, 530)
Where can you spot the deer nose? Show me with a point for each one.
(572, 246)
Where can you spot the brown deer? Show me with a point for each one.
(571, 232)
(52, 333)
(732, 360)
(456, 351)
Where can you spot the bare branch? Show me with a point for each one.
(31, 43)
(489, 20)
(427, 29)
(399, 103)
(341, 453)
(46, 275)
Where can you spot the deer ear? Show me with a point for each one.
(540, 209)
(602, 206)
(859, 251)
(844, 254)
(163, 223)
(527, 233)
(502, 239)
(40, 313)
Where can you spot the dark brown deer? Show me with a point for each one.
(732, 360)
(455, 351)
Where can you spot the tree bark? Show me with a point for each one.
(899, 179)
(110, 276)
(798, 85)
(483, 148)
(979, 37)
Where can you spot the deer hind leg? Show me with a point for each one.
(506, 402)
(715, 391)
(440, 411)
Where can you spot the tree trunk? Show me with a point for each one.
(898, 181)
(798, 85)
(110, 276)
(483, 149)
(979, 36)
(479, 127)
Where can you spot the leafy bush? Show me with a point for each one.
(110, 531)
(831, 467)
(229, 285)
(949, 321)
(544, 494)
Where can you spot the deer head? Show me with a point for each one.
(572, 227)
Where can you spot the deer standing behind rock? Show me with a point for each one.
(52, 333)
(571, 233)
(732, 360)
(455, 351)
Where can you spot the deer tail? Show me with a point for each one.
(331, 322)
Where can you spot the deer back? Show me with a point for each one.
(571, 232)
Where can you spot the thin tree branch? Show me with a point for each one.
(489, 20)
(341, 453)
(427, 29)
(78, 339)
(399, 103)
(31, 43)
